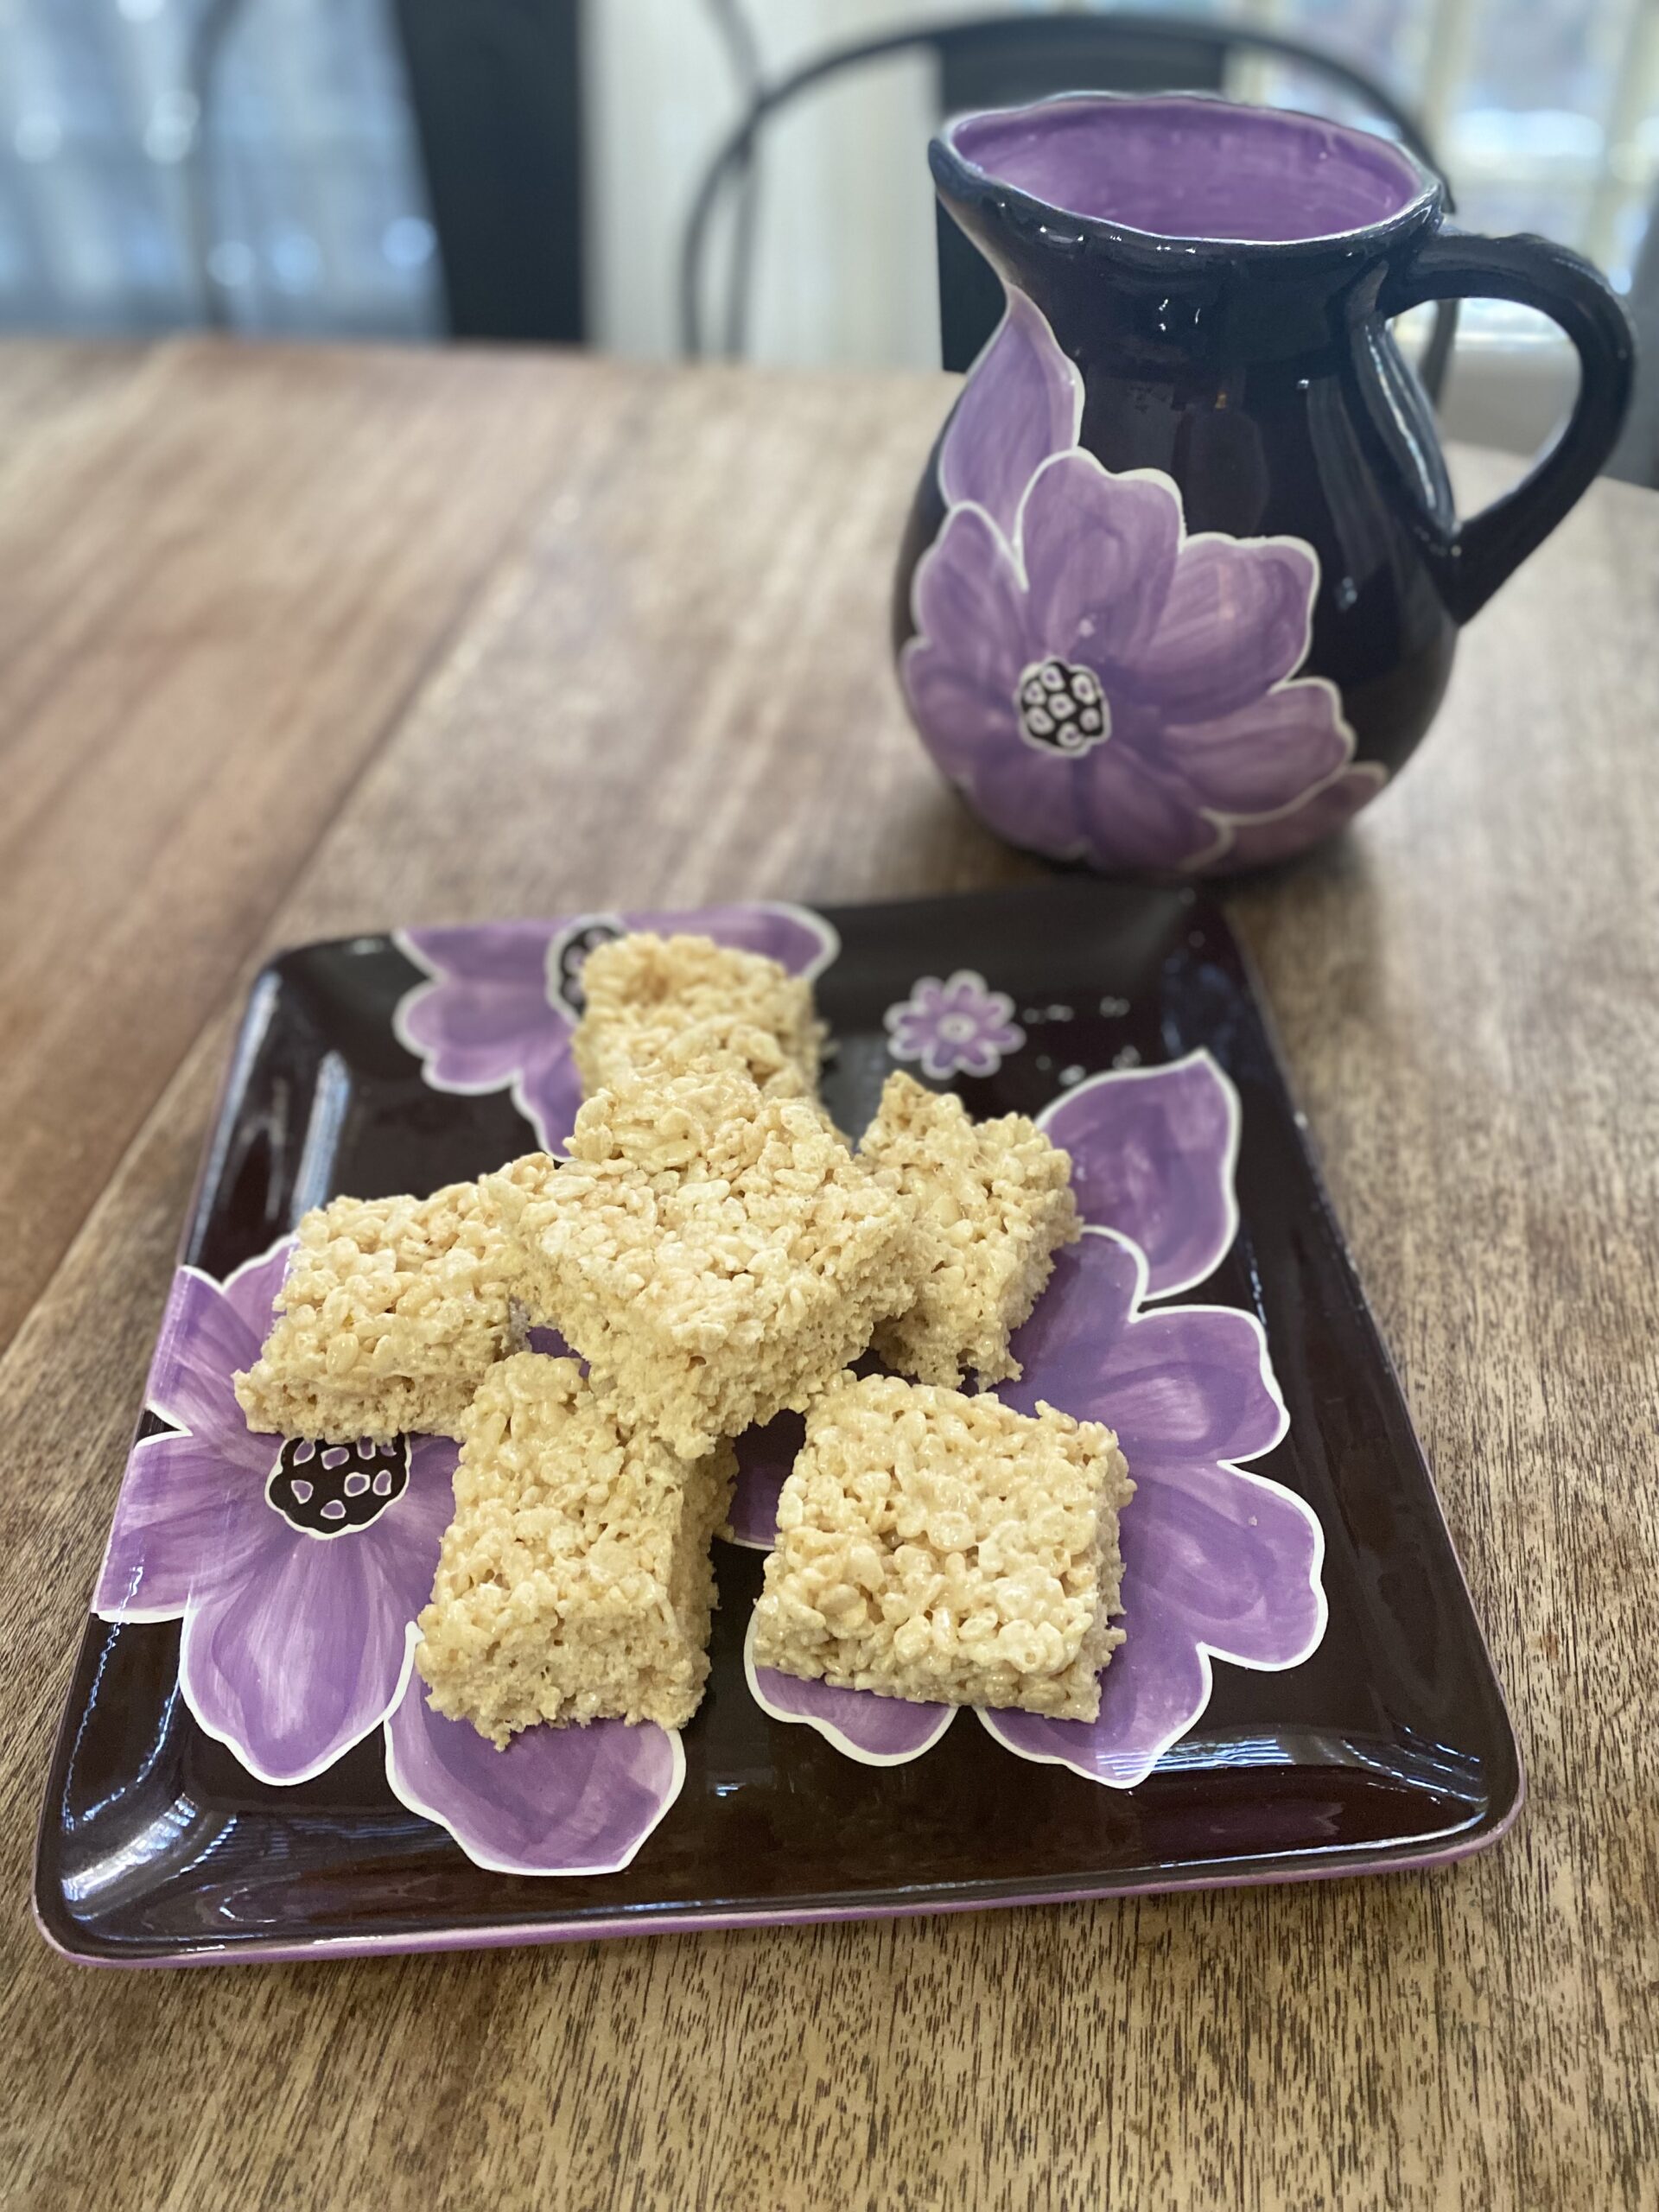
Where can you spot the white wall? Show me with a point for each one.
(844, 257)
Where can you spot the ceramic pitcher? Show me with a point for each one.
(1183, 580)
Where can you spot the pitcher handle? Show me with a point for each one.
(1452, 265)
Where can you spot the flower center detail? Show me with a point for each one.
(1062, 709)
(330, 1490)
(568, 955)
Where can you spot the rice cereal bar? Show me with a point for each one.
(993, 1202)
(390, 1313)
(715, 1255)
(948, 1550)
(641, 992)
(575, 1581)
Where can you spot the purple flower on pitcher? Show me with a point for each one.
(959, 1025)
(297, 1569)
(1219, 1561)
(1100, 685)
(502, 998)
(1332, 807)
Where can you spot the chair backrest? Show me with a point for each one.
(1000, 61)
(496, 89)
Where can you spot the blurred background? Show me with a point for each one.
(502, 169)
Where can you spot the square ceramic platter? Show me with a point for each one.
(1371, 1734)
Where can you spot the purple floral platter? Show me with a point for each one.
(248, 1767)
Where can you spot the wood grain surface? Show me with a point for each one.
(641, 656)
(179, 721)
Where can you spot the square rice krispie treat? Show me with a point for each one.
(715, 1255)
(390, 1313)
(948, 1550)
(642, 992)
(574, 1582)
(993, 1202)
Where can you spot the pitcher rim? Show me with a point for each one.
(958, 175)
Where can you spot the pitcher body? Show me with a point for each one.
(1181, 585)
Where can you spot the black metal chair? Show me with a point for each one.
(496, 86)
(1000, 61)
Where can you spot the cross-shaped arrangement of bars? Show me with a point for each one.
(714, 1253)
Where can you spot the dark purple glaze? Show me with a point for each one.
(1388, 1746)
(1195, 169)
(1198, 370)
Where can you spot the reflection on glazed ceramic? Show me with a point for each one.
(298, 1636)
(957, 1026)
(1219, 1562)
(503, 998)
(1100, 685)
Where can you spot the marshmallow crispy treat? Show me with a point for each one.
(574, 1583)
(947, 1549)
(642, 993)
(390, 1313)
(993, 1202)
(714, 1254)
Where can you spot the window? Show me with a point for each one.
(295, 204)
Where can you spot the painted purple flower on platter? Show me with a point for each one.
(1219, 1562)
(297, 1570)
(557, 1801)
(957, 1026)
(502, 998)
(1099, 684)
(1154, 1152)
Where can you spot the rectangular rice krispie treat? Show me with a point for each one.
(390, 1314)
(948, 1550)
(715, 1255)
(993, 1202)
(574, 1582)
(641, 993)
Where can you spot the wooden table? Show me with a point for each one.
(294, 643)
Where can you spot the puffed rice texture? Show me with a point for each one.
(947, 1550)
(714, 1254)
(993, 1204)
(575, 1582)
